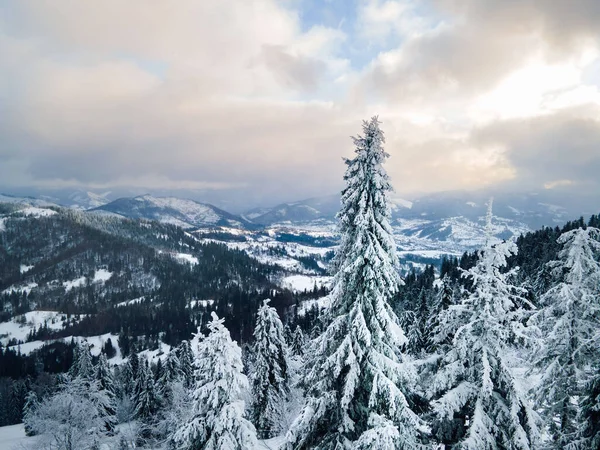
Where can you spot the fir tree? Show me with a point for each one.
(445, 296)
(357, 382)
(82, 365)
(217, 418)
(186, 363)
(270, 372)
(416, 323)
(171, 374)
(298, 343)
(475, 380)
(588, 436)
(146, 399)
(107, 386)
(569, 326)
(31, 403)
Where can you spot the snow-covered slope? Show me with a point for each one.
(6, 198)
(181, 212)
(87, 200)
(317, 208)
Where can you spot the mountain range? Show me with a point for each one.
(448, 221)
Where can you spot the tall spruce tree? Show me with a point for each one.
(588, 435)
(357, 381)
(298, 343)
(270, 372)
(445, 296)
(107, 387)
(146, 399)
(478, 404)
(569, 331)
(186, 363)
(217, 421)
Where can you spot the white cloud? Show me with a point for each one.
(239, 93)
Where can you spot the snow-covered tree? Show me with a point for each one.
(31, 403)
(444, 298)
(186, 363)
(415, 322)
(171, 373)
(270, 372)
(67, 420)
(588, 435)
(479, 404)
(357, 381)
(216, 421)
(107, 387)
(146, 398)
(298, 343)
(82, 365)
(569, 330)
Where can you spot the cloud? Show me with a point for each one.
(562, 149)
(255, 96)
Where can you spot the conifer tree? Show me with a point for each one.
(444, 298)
(107, 387)
(217, 418)
(588, 435)
(31, 403)
(475, 382)
(569, 326)
(357, 381)
(171, 373)
(270, 372)
(82, 365)
(297, 346)
(186, 363)
(416, 323)
(146, 399)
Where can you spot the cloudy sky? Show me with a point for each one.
(261, 96)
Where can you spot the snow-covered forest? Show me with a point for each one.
(497, 349)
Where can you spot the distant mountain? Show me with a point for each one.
(31, 201)
(448, 221)
(316, 208)
(86, 200)
(176, 211)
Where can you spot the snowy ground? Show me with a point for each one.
(300, 283)
(13, 437)
(20, 326)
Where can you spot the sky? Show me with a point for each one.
(260, 97)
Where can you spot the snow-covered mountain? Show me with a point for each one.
(87, 200)
(450, 222)
(316, 208)
(181, 212)
(23, 200)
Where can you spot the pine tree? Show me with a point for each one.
(31, 403)
(569, 329)
(217, 418)
(357, 381)
(171, 374)
(186, 363)
(270, 372)
(82, 365)
(475, 383)
(298, 343)
(416, 325)
(146, 399)
(444, 298)
(588, 436)
(108, 389)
